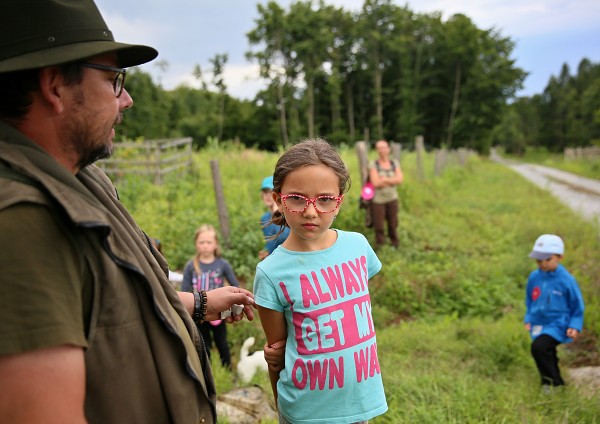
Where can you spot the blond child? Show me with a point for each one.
(207, 270)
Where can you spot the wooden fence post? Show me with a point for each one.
(396, 151)
(157, 159)
(362, 151)
(221, 206)
(438, 164)
(149, 165)
(420, 149)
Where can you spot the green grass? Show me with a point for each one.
(447, 305)
(453, 370)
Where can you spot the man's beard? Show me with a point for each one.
(89, 139)
(92, 155)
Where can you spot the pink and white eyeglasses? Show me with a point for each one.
(296, 203)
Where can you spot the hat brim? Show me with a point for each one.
(541, 256)
(127, 55)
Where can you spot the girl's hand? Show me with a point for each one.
(528, 327)
(275, 355)
(572, 333)
(224, 298)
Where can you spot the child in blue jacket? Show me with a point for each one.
(554, 307)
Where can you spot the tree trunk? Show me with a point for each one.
(455, 99)
(379, 100)
(350, 106)
(221, 116)
(336, 117)
(310, 91)
(282, 115)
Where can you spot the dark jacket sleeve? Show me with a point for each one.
(229, 274)
(188, 274)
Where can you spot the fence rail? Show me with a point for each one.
(155, 158)
(582, 152)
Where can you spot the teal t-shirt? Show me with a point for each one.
(332, 372)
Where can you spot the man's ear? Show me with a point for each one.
(52, 87)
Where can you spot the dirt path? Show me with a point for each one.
(579, 193)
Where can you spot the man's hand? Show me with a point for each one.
(224, 298)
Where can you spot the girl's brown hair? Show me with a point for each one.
(308, 152)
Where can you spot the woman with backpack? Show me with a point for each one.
(385, 174)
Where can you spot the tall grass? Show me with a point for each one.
(448, 304)
(453, 370)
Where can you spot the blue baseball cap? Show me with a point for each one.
(267, 183)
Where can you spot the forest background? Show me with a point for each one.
(381, 72)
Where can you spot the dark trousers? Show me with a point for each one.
(543, 350)
(382, 213)
(219, 333)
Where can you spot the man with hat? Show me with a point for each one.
(555, 307)
(90, 328)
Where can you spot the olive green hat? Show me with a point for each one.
(39, 33)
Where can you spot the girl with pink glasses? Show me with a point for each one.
(313, 297)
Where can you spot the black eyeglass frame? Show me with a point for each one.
(118, 82)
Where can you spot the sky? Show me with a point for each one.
(547, 33)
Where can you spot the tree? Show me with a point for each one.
(508, 134)
(146, 118)
(218, 63)
(275, 61)
(377, 28)
(310, 39)
(217, 81)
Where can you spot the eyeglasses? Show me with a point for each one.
(297, 203)
(118, 82)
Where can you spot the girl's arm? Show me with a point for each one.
(398, 177)
(379, 181)
(275, 328)
(374, 177)
(229, 274)
(275, 355)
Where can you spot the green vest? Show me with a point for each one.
(145, 361)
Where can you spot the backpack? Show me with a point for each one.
(367, 193)
(379, 168)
